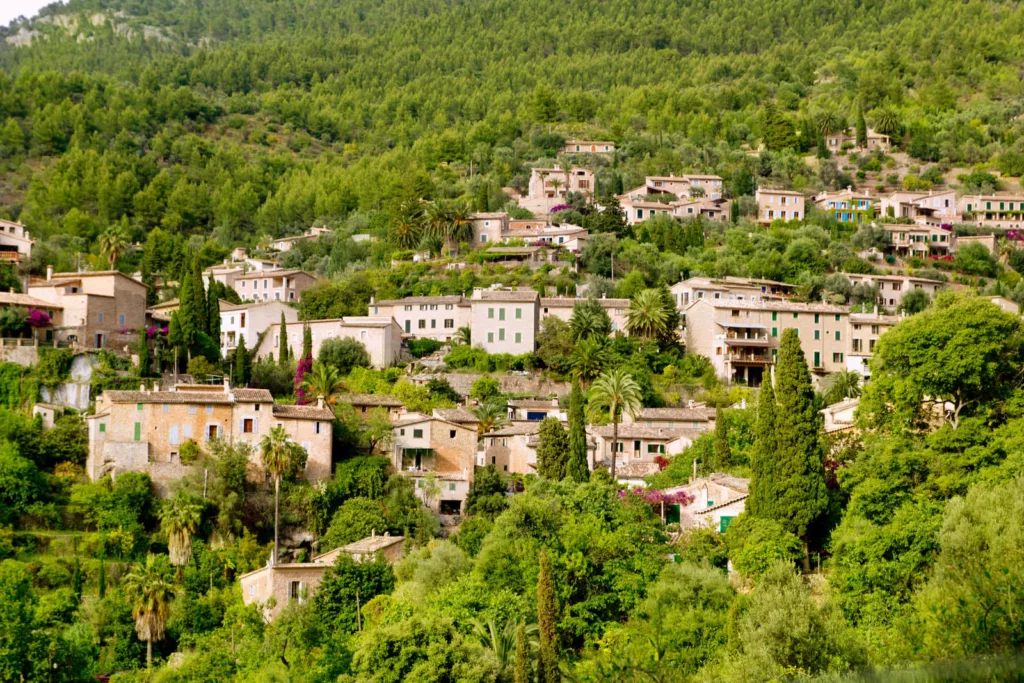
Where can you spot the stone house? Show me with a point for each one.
(275, 586)
(693, 419)
(250, 320)
(425, 317)
(274, 285)
(513, 448)
(776, 205)
(15, 242)
(604, 147)
(638, 443)
(1005, 212)
(488, 228)
(364, 403)
(717, 500)
(229, 271)
(839, 140)
(505, 320)
(931, 207)
(428, 447)
(102, 309)
(286, 243)
(728, 288)
(381, 336)
(847, 206)
(535, 410)
(920, 239)
(892, 288)
(143, 431)
(562, 307)
(27, 304)
(865, 331)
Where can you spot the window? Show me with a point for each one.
(103, 427)
(99, 317)
(417, 433)
(316, 427)
(837, 358)
(483, 238)
(837, 317)
(775, 315)
(120, 319)
(723, 524)
(490, 337)
(295, 590)
(138, 406)
(490, 313)
(422, 324)
(449, 323)
(519, 314)
(775, 332)
(433, 324)
(401, 432)
(451, 434)
(817, 334)
(501, 334)
(209, 410)
(248, 425)
(816, 320)
(138, 431)
(838, 335)
(519, 338)
(858, 345)
(795, 316)
(501, 314)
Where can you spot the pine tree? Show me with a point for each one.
(762, 461)
(577, 469)
(145, 360)
(553, 449)
(723, 456)
(521, 672)
(282, 356)
(147, 279)
(213, 310)
(547, 615)
(800, 480)
(862, 129)
(307, 341)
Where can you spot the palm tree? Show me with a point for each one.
(588, 320)
(274, 452)
(463, 336)
(407, 225)
(490, 416)
(434, 244)
(460, 223)
(841, 385)
(179, 519)
(323, 381)
(555, 183)
(112, 244)
(827, 123)
(437, 218)
(502, 641)
(618, 393)
(646, 316)
(149, 590)
(589, 358)
(888, 123)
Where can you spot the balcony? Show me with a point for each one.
(752, 340)
(748, 358)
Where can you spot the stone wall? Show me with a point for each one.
(534, 385)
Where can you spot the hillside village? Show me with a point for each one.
(355, 342)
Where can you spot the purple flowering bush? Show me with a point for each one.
(37, 318)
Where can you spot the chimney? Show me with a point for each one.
(142, 388)
(554, 401)
(689, 404)
(227, 386)
(372, 298)
(319, 401)
(49, 272)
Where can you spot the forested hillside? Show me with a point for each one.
(234, 115)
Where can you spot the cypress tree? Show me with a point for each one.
(800, 475)
(307, 341)
(577, 469)
(199, 297)
(76, 579)
(187, 304)
(282, 356)
(145, 361)
(103, 577)
(762, 461)
(723, 456)
(521, 672)
(547, 667)
(213, 310)
(862, 128)
(147, 279)
(553, 449)
(240, 365)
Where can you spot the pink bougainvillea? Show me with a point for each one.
(301, 368)
(37, 318)
(152, 332)
(654, 496)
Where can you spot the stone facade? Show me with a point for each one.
(274, 285)
(381, 336)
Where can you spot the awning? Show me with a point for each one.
(742, 326)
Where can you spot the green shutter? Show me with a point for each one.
(775, 315)
(103, 427)
(138, 431)
(817, 359)
(723, 523)
(775, 332)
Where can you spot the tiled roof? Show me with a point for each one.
(372, 544)
(252, 395)
(304, 413)
(458, 300)
(15, 299)
(525, 296)
(268, 274)
(372, 400)
(682, 414)
(632, 430)
(246, 305)
(456, 415)
(167, 397)
(513, 250)
(488, 214)
(773, 305)
(515, 429)
(533, 403)
(570, 302)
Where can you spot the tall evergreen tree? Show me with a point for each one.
(723, 456)
(240, 365)
(199, 297)
(147, 279)
(547, 617)
(862, 128)
(577, 468)
(762, 461)
(187, 324)
(307, 341)
(282, 356)
(553, 449)
(800, 474)
(145, 360)
(213, 310)
(521, 672)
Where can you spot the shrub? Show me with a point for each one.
(423, 347)
(344, 354)
(465, 357)
(756, 545)
(189, 452)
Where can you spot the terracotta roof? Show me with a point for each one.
(632, 430)
(525, 296)
(268, 274)
(456, 415)
(167, 397)
(513, 250)
(243, 395)
(246, 305)
(459, 300)
(488, 214)
(304, 413)
(515, 429)
(570, 302)
(15, 299)
(533, 403)
(773, 305)
(372, 544)
(372, 400)
(634, 470)
(725, 503)
(683, 414)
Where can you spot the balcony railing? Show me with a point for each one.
(748, 358)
